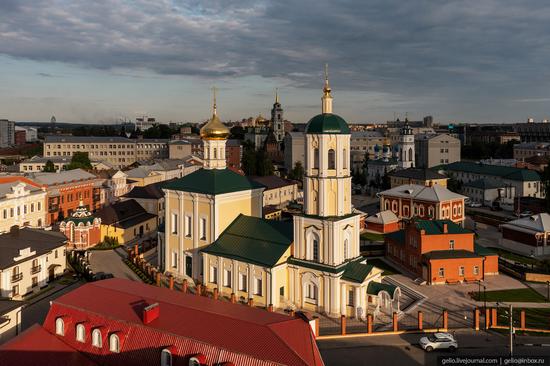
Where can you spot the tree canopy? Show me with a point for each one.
(80, 160)
(49, 167)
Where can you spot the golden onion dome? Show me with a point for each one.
(214, 129)
(259, 120)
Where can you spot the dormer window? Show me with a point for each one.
(80, 333)
(114, 343)
(166, 358)
(59, 326)
(96, 338)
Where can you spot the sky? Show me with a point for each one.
(105, 60)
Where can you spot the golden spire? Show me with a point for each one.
(214, 129)
(326, 99)
(214, 112)
(326, 89)
(276, 95)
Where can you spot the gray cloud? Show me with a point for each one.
(468, 52)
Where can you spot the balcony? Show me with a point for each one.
(17, 277)
(36, 269)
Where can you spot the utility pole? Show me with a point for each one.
(511, 332)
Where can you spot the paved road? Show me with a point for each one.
(110, 261)
(397, 350)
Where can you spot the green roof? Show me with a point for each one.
(483, 184)
(396, 236)
(78, 220)
(327, 123)
(317, 266)
(505, 172)
(481, 250)
(374, 288)
(450, 254)
(253, 240)
(435, 227)
(212, 181)
(357, 271)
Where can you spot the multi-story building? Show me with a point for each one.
(433, 150)
(151, 198)
(31, 133)
(434, 203)
(7, 133)
(529, 149)
(20, 136)
(294, 149)
(29, 259)
(114, 184)
(65, 190)
(532, 131)
(180, 149)
(22, 203)
(423, 177)
(117, 151)
(362, 143)
(525, 182)
(148, 325)
(528, 235)
(440, 252)
(279, 192)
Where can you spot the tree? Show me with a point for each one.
(264, 164)
(297, 173)
(80, 160)
(248, 161)
(49, 167)
(454, 185)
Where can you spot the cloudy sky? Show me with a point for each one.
(97, 61)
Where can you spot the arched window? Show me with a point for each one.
(345, 159)
(315, 158)
(387, 205)
(345, 249)
(310, 292)
(114, 343)
(80, 333)
(331, 159)
(59, 326)
(96, 338)
(166, 358)
(410, 154)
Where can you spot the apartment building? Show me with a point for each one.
(22, 203)
(279, 192)
(7, 133)
(29, 259)
(423, 177)
(432, 150)
(530, 149)
(180, 149)
(116, 151)
(363, 143)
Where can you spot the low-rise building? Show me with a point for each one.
(382, 222)
(160, 171)
(114, 185)
(10, 319)
(528, 235)
(179, 149)
(29, 259)
(148, 325)
(22, 203)
(151, 198)
(433, 149)
(416, 201)
(490, 192)
(423, 177)
(440, 252)
(82, 229)
(525, 182)
(37, 163)
(362, 144)
(126, 222)
(528, 149)
(278, 191)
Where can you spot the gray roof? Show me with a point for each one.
(435, 193)
(539, 223)
(40, 241)
(44, 159)
(484, 184)
(84, 139)
(416, 173)
(8, 305)
(6, 188)
(64, 176)
(192, 141)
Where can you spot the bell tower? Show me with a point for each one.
(214, 136)
(277, 120)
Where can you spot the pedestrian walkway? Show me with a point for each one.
(110, 261)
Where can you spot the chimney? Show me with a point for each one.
(422, 232)
(445, 228)
(151, 313)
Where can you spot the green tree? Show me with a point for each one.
(49, 167)
(297, 173)
(264, 164)
(80, 160)
(454, 185)
(248, 161)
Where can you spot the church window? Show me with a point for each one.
(316, 250)
(59, 326)
(315, 158)
(311, 291)
(387, 205)
(410, 154)
(331, 159)
(213, 274)
(351, 297)
(243, 280)
(345, 249)
(215, 153)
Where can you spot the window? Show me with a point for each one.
(315, 158)
(344, 159)
(282, 291)
(188, 266)
(331, 159)
(188, 226)
(242, 282)
(59, 326)
(441, 272)
(461, 271)
(32, 207)
(80, 333)
(166, 358)
(203, 229)
(315, 248)
(114, 343)
(345, 249)
(5, 214)
(227, 278)
(258, 285)
(55, 254)
(476, 270)
(15, 290)
(39, 206)
(451, 245)
(213, 274)
(351, 297)
(174, 223)
(96, 338)
(311, 291)
(34, 281)
(175, 259)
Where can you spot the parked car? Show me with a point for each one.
(102, 276)
(526, 214)
(438, 341)
(475, 204)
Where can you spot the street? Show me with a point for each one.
(110, 261)
(403, 349)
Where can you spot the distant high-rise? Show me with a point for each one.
(52, 123)
(7, 133)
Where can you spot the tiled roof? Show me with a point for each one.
(505, 172)
(187, 324)
(253, 240)
(416, 173)
(212, 181)
(383, 217)
(435, 193)
(450, 254)
(356, 271)
(435, 227)
(272, 181)
(123, 214)
(374, 288)
(40, 241)
(150, 191)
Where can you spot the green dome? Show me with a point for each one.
(327, 123)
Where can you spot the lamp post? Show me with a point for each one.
(547, 290)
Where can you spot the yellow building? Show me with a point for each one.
(200, 205)
(423, 177)
(22, 203)
(126, 222)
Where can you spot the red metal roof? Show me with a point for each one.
(36, 346)
(190, 324)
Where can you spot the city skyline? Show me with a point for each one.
(102, 61)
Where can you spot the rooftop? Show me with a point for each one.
(436, 227)
(484, 184)
(150, 191)
(212, 181)
(416, 173)
(539, 223)
(327, 123)
(272, 181)
(435, 193)
(503, 172)
(123, 214)
(39, 242)
(64, 176)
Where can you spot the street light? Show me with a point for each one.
(547, 290)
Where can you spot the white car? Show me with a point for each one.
(475, 204)
(438, 341)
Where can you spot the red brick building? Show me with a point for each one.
(440, 251)
(233, 153)
(121, 322)
(431, 203)
(20, 137)
(82, 229)
(382, 222)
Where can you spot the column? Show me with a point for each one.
(326, 294)
(220, 272)
(343, 299)
(270, 296)
(357, 303)
(235, 277)
(181, 256)
(250, 280)
(196, 259)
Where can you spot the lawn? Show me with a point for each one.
(514, 295)
(514, 257)
(535, 318)
(388, 270)
(372, 236)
